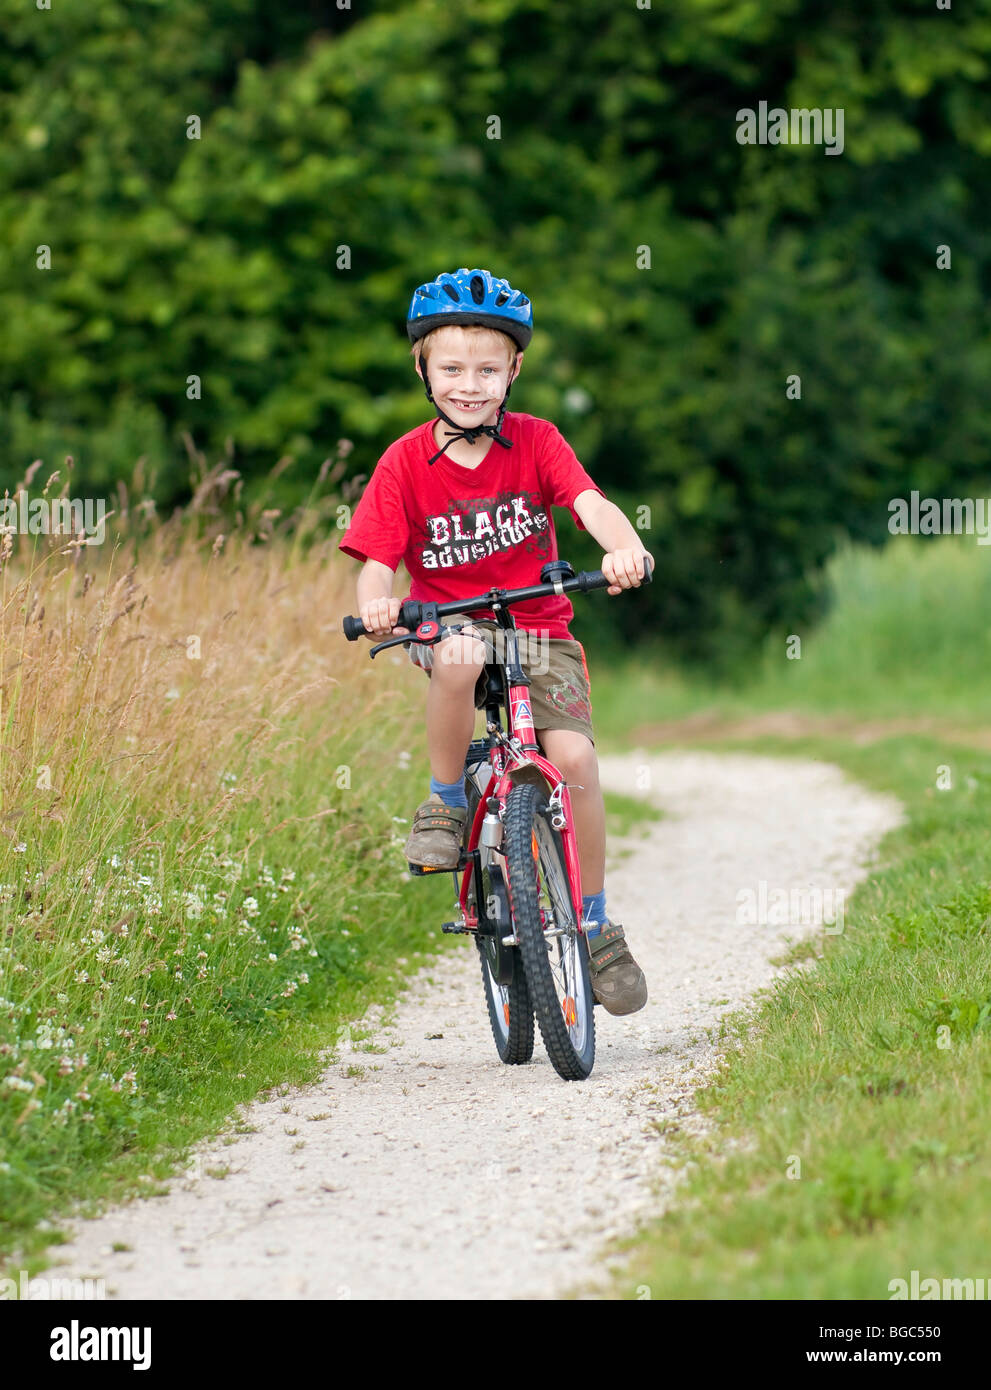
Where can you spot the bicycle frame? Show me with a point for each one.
(515, 750)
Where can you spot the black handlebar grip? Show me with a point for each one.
(353, 628)
(646, 571)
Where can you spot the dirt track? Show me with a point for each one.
(436, 1172)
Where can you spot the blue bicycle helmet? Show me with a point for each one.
(469, 298)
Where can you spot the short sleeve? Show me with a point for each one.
(562, 477)
(379, 527)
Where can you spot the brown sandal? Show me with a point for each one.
(437, 834)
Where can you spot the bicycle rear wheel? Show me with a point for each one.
(555, 958)
(506, 995)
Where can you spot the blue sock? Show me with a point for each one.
(594, 910)
(451, 793)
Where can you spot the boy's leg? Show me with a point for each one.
(454, 666)
(618, 983)
(562, 716)
(574, 754)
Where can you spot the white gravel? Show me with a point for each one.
(441, 1173)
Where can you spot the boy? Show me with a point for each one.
(471, 512)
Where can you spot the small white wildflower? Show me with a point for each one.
(21, 848)
(250, 907)
(272, 956)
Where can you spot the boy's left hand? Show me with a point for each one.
(625, 569)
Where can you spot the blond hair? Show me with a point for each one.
(420, 348)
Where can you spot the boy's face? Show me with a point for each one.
(469, 374)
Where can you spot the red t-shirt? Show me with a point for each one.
(462, 531)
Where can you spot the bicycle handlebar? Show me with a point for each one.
(410, 613)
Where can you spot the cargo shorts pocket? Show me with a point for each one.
(561, 695)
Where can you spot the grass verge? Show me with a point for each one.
(848, 1139)
(203, 801)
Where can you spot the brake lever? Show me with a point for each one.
(429, 631)
(392, 642)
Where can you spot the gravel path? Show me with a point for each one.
(440, 1173)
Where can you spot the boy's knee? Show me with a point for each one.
(460, 659)
(572, 752)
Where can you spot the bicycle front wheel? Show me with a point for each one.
(555, 958)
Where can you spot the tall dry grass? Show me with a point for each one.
(195, 775)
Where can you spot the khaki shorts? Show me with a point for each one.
(559, 685)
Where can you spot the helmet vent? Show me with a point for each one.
(501, 298)
(477, 289)
(450, 290)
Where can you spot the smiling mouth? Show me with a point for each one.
(470, 405)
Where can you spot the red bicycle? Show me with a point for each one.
(520, 895)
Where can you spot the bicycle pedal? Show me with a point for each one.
(420, 870)
(455, 929)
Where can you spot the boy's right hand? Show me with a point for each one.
(380, 616)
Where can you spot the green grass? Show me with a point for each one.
(629, 815)
(907, 635)
(122, 1048)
